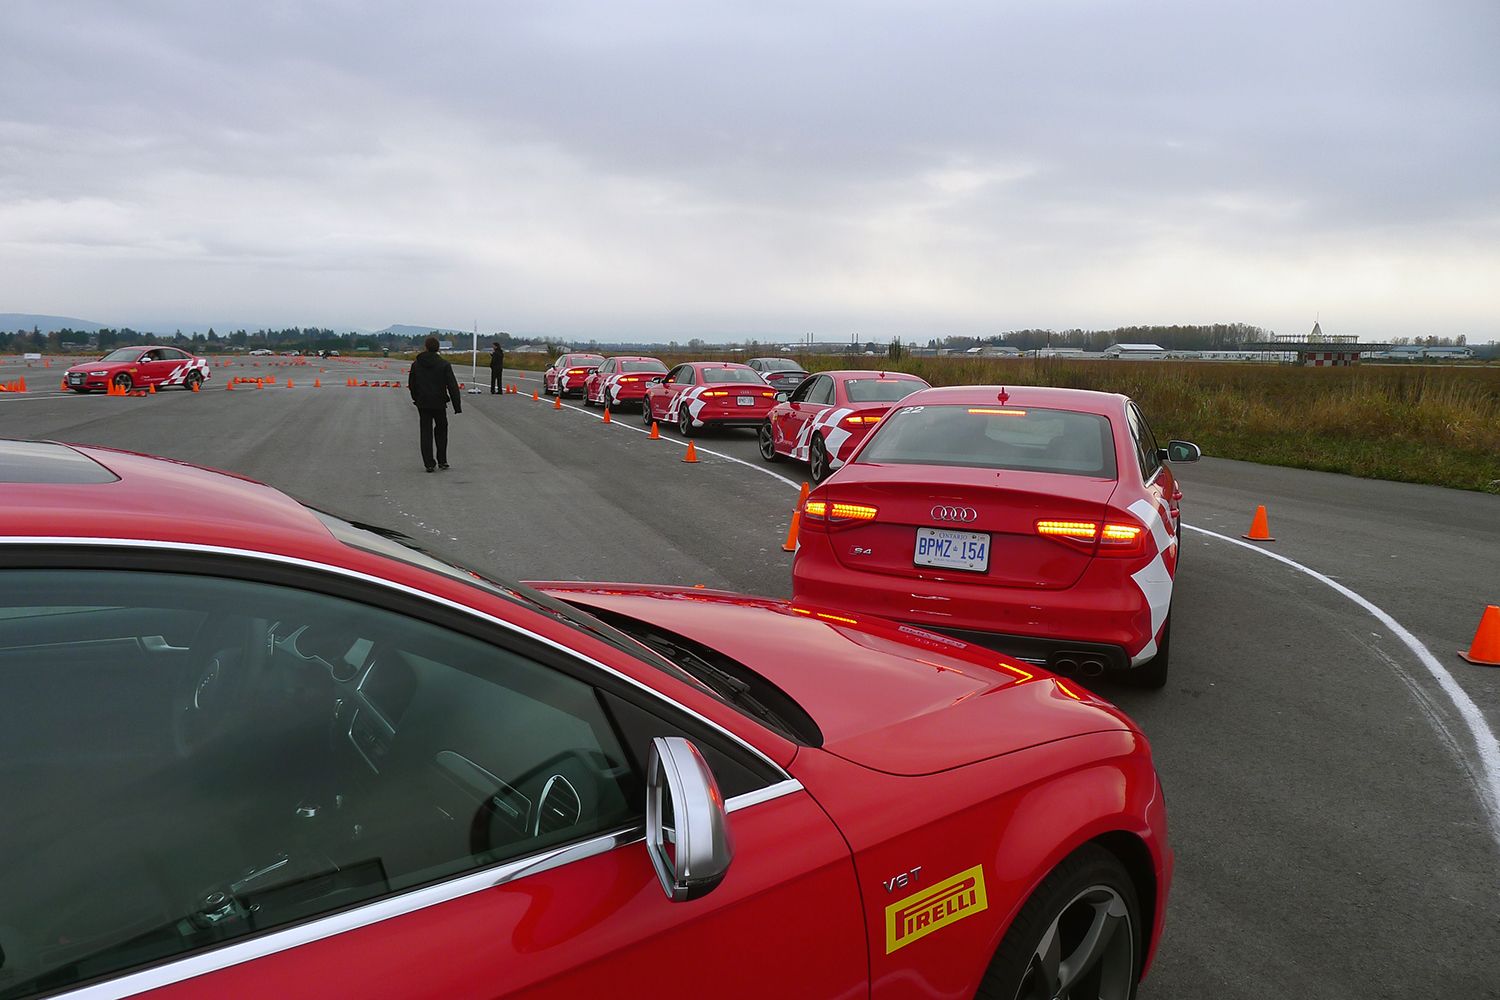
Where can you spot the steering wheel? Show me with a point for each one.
(228, 657)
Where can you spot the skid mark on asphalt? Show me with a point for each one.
(1487, 781)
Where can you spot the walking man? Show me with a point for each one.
(432, 385)
(497, 368)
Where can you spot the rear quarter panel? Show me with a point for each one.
(1015, 817)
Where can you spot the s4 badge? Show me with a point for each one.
(934, 908)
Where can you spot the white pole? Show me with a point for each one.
(474, 356)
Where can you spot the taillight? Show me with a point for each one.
(714, 393)
(577, 371)
(768, 395)
(861, 419)
(838, 513)
(1112, 538)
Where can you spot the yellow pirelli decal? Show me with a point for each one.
(934, 908)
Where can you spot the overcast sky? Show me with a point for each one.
(726, 169)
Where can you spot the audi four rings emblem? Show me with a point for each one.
(964, 514)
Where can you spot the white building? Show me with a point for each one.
(1135, 352)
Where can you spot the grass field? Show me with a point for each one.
(1410, 423)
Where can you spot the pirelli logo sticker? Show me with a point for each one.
(934, 908)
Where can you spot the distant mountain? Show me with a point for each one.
(11, 322)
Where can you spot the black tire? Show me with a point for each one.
(766, 438)
(588, 403)
(646, 413)
(685, 422)
(1152, 675)
(1090, 889)
(124, 381)
(191, 379)
(817, 460)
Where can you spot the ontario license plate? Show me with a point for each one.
(747, 400)
(968, 550)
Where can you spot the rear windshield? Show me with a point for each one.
(880, 390)
(995, 437)
(583, 361)
(732, 375)
(642, 366)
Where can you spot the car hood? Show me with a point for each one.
(887, 696)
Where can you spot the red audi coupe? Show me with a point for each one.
(1042, 522)
(825, 418)
(704, 394)
(620, 380)
(252, 749)
(566, 375)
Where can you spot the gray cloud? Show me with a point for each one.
(720, 169)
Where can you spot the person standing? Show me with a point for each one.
(432, 385)
(497, 368)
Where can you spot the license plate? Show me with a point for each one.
(747, 400)
(75, 378)
(940, 547)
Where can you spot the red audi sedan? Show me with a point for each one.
(566, 375)
(703, 394)
(620, 380)
(825, 418)
(137, 368)
(1041, 522)
(252, 749)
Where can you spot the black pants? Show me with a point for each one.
(434, 424)
(495, 375)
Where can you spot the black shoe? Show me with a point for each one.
(430, 469)
(443, 466)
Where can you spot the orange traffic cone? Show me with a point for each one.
(534, 397)
(1260, 530)
(151, 388)
(260, 383)
(655, 431)
(557, 403)
(606, 415)
(193, 385)
(229, 386)
(1484, 651)
(288, 383)
(691, 455)
(62, 386)
(317, 383)
(21, 386)
(790, 545)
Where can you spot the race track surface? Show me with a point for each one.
(1330, 793)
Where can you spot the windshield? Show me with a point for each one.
(642, 366)
(121, 354)
(746, 375)
(995, 437)
(880, 390)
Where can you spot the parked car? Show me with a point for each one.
(780, 373)
(1042, 522)
(825, 418)
(253, 750)
(703, 394)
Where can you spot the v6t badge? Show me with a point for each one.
(903, 880)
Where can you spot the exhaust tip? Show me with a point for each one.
(1091, 668)
(1065, 665)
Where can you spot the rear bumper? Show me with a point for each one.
(1104, 616)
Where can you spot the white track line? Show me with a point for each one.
(1487, 783)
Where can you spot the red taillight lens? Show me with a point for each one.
(838, 513)
(768, 395)
(1112, 538)
(861, 419)
(577, 371)
(713, 393)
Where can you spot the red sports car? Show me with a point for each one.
(256, 750)
(138, 367)
(1042, 522)
(566, 375)
(828, 415)
(620, 380)
(704, 394)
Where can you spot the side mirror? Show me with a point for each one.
(593, 371)
(687, 829)
(782, 395)
(1181, 451)
(656, 380)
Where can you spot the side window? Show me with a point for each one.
(172, 354)
(685, 375)
(824, 391)
(188, 760)
(804, 392)
(1145, 447)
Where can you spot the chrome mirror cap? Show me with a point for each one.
(687, 828)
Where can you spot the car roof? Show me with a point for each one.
(870, 373)
(718, 364)
(1050, 397)
(152, 499)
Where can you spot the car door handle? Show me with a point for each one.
(159, 644)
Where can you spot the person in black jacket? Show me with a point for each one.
(497, 368)
(432, 385)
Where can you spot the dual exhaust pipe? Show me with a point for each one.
(1082, 664)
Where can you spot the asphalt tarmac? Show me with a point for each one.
(1330, 790)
